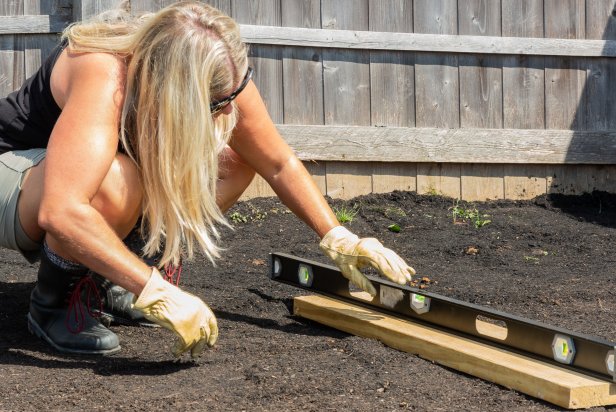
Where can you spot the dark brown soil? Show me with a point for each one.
(551, 260)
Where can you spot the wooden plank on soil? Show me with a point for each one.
(541, 380)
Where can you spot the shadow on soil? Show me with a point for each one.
(19, 347)
(596, 207)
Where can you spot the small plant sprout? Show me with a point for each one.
(394, 228)
(461, 215)
(237, 217)
(345, 214)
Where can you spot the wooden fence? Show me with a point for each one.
(474, 99)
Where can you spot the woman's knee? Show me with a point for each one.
(119, 196)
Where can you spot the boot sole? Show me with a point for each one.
(36, 330)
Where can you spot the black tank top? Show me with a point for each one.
(28, 115)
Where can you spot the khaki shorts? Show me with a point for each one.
(13, 168)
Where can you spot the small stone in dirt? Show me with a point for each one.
(471, 250)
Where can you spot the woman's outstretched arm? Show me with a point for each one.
(258, 142)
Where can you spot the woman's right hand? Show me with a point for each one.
(188, 316)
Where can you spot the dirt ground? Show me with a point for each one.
(550, 259)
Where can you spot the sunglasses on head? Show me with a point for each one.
(218, 105)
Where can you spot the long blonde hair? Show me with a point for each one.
(178, 60)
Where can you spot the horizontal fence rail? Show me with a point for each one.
(365, 40)
(402, 144)
(370, 40)
(35, 24)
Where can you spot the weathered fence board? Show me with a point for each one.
(400, 144)
(442, 43)
(481, 99)
(392, 73)
(346, 91)
(471, 98)
(302, 67)
(267, 60)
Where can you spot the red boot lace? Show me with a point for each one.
(173, 273)
(75, 305)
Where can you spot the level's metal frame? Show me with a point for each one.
(585, 354)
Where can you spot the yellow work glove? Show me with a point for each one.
(185, 314)
(350, 253)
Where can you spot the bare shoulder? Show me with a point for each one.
(102, 74)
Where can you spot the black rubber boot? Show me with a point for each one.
(59, 316)
(117, 301)
(117, 305)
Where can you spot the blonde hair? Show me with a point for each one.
(178, 60)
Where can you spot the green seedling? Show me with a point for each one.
(394, 228)
(344, 214)
(237, 217)
(460, 214)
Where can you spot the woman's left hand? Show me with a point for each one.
(350, 253)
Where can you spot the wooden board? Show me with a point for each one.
(439, 179)
(345, 180)
(541, 380)
(420, 41)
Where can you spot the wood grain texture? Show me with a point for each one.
(346, 180)
(564, 78)
(302, 68)
(400, 144)
(524, 182)
(597, 108)
(481, 182)
(83, 9)
(446, 43)
(523, 76)
(387, 177)
(439, 179)
(301, 13)
(601, 19)
(344, 14)
(266, 59)
(392, 73)
(481, 95)
(346, 73)
(33, 24)
(541, 380)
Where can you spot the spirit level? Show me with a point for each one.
(582, 353)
